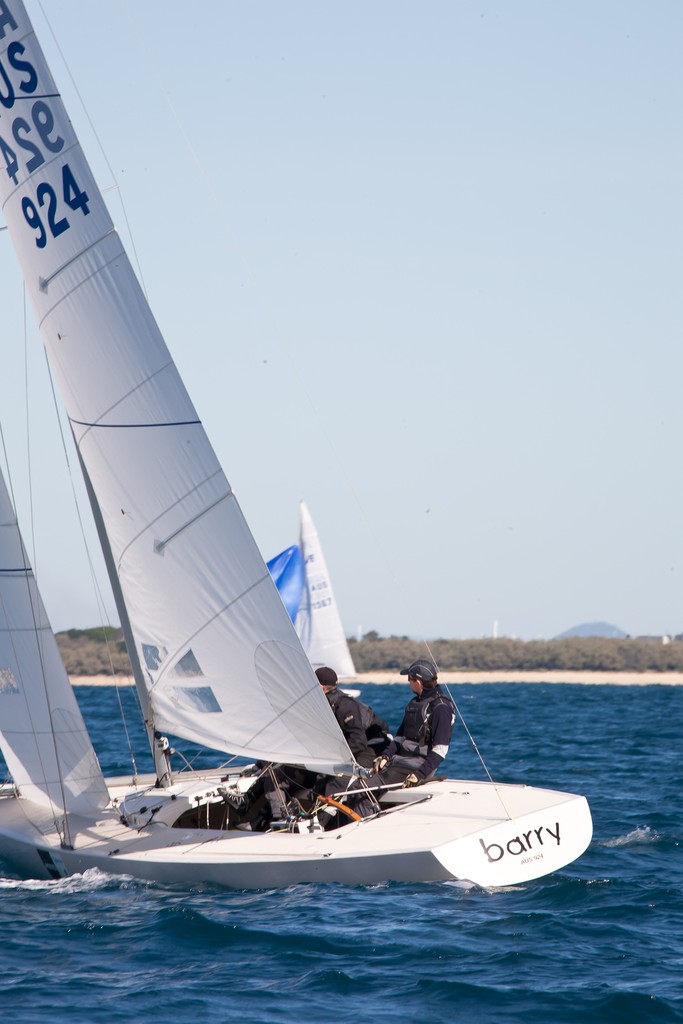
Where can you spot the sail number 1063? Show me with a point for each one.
(43, 215)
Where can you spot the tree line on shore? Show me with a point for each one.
(101, 651)
(374, 653)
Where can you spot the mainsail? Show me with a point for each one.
(318, 623)
(220, 659)
(42, 733)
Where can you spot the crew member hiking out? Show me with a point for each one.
(424, 735)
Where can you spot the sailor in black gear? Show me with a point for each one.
(424, 735)
(360, 725)
(356, 721)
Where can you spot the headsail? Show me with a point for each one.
(42, 733)
(287, 570)
(222, 663)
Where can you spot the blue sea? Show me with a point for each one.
(601, 941)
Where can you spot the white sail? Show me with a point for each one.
(42, 733)
(221, 661)
(318, 622)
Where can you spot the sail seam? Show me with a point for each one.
(136, 426)
(124, 398)
(181, 499)
(79, 284)
(160, 545)
(45, 282)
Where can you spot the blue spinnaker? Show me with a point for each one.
(287, 570)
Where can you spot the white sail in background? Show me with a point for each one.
(44, 739)
(318, 622)
(222, 663)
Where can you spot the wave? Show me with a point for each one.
(637, 837)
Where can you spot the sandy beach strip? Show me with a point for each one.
(382, 678)
(593, 678)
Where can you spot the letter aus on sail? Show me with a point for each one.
(6, 19)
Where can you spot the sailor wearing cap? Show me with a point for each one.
(424, 735)
(356, 720)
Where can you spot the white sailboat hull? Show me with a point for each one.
(477, 832)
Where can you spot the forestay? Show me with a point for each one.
(221, 660)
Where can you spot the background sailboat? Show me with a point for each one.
(303, 579)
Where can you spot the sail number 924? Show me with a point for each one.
(48, 201)
(34, 139)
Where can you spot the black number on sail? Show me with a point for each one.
(44, 121)
(11, 162)
(46, 194)
(20, 127)
(43, 125)
(73, 196)
(34, 220)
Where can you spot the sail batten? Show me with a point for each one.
(253, 691)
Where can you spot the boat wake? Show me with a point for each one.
(90, 881)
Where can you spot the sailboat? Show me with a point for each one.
(301, 575)
(215, 656)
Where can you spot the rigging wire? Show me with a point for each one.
(496, 787)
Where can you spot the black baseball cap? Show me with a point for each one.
(326, 676)
(422, 669)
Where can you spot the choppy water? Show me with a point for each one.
(601, 941)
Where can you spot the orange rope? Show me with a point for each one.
(342, 807)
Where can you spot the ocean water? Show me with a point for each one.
(601, 941)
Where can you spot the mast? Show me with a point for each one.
(158, 744)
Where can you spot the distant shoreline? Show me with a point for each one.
(594, 678)
(383, 678)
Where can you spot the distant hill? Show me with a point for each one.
(594, 629)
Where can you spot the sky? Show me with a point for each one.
(418, 264)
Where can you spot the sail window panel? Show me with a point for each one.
(187, 666)
(153, 656)
(194, 698)
(8, 682)
(277, 711)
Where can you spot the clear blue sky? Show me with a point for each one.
(419, 264)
